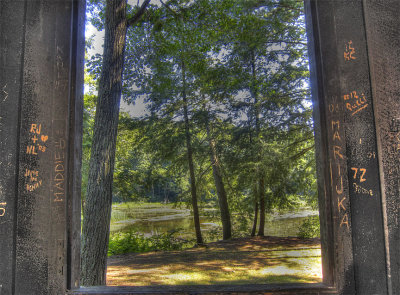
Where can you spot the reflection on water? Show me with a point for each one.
(154, 226)
(159, 219)
(283, 227)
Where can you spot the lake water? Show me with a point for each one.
(152, 219)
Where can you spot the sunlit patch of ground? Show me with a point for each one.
(238, 261)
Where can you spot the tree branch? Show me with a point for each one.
(169, 8)
(200, 176)
(287, 42)
(262, 3)
(134, 19)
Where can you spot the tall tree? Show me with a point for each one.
(97, 211)
(266, 53)
(219, 185)
(169, 81)
(212, 113)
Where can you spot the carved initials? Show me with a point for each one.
(336, 152)
(345, 220)
(340, 204)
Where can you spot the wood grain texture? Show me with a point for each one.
(36, 97)
(11, 54)
(75, 160)
(334, 196)
(383, 39)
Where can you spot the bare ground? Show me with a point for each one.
(257, 260)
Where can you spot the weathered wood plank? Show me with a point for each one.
(334, 194)
(320, 135)
(75, 141)
(34, 218)
(361, 150)
(383, 23)
(311, 289)
(44, 149)
(341, 56)
(11, 54)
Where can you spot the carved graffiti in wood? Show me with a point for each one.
(5, 93)
(59, 170)
(359, 172)
(355, 102)
(337, 177)
(349, 52)
(33, 182)
(2, 209)
(37, 146)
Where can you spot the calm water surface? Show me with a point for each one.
(156, 219)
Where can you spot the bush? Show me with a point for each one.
(133, 242)
(241, 226)
(310, 227)
(212, 235)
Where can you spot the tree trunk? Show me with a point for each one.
(97, 209)
(261, 193)
(196, 216)
(219, 185)
(97, 213)
(257, 111)
(152, 190)
(253, 230)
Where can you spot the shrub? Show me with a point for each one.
(133, 242)
(310, 227)
(241, 226)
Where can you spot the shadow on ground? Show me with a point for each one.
(258, 260)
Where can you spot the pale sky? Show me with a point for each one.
(134, 110)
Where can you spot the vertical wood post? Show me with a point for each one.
(355, 72)
(383, 39)
(40, 110)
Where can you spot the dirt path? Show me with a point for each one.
(258, 260)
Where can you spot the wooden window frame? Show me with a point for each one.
(42, 60)
(329, 284)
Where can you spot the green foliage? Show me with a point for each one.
(89, 102)
(213, 234)
(245, 72)
(241, 226)
(310, 227)
(132, 242)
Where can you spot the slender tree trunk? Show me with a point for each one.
(219, 185)
(152, 190)
(166, 201)
(260, 175)
(261, 192)
(97, 213)
(196, 216)
(253, 230)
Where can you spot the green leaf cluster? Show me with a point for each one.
(132, 242)
(241, 68)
